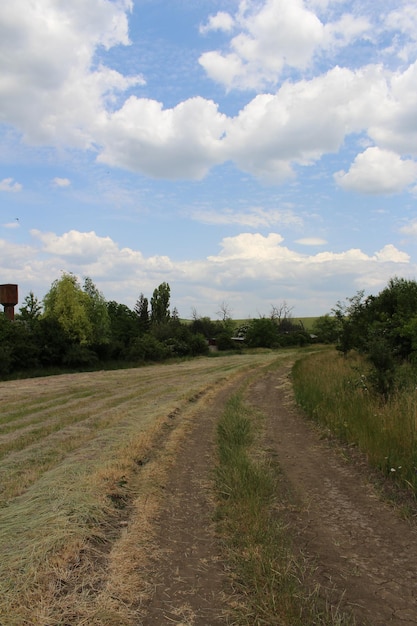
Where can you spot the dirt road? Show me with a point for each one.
(363, 554)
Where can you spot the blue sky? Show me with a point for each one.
(246, 152)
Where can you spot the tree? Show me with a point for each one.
(67, 303)
(327, 328)
(123, 326)
(142, 311)
(31, 309)
(160, 304)
(262, 333)
(97, 313)
(383, 328)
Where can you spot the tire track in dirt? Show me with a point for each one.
(364, 555)
(189, 581)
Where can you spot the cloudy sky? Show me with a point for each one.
(247, 152)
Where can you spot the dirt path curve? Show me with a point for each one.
(364, 554)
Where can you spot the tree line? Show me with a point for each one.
(74, 326)
(383, 328)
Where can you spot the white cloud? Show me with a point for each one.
(255, 217)
(61, 182)
(221, 21)
(50, 88)
(80, 246)
(410, 229)
(55, 91)
(250, 270)
(378, 171)
(275, 34)
(7, 184)
(274, 131)
(12, 225)
(182, 142)
(311, 241)
(395, 124)
(403, 20)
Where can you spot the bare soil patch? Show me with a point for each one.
(361, 552)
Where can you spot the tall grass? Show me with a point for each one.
(267, 579)
(336, 391)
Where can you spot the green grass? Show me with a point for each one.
(337, 393)
(268, 581)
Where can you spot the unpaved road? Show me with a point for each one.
(363, 554)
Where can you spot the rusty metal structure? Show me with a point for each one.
(9, 298)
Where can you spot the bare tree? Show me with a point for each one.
(281, 312)
(225, 311)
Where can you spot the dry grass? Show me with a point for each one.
(85, 458)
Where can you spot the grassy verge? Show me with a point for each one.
(267, 579)
(335, 392)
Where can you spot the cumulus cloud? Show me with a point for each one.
(81, 246)
(220, 21)
(56, 92)
(378, 171)
(395, 123)
(273, 35)
(7, 184)
(274, 131)
(51, 87)
(181, 142)
(251, 270)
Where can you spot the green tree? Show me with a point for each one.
(262, 332)
(160, 313)
(327, 328)
(142, 311)
(67, 303)
(123, 328)
(31, 309)
(98, 314)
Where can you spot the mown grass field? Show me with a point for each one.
(80, 454)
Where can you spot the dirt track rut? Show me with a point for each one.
(365, 555)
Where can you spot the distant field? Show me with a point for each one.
(306, 321)
(74, 455)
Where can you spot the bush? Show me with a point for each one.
(79, 356)
(147, 348)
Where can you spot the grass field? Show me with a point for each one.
(76, 455)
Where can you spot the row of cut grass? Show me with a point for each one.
(67, 498)
(334, 390)
(267, 579)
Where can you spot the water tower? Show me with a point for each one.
(9, 299)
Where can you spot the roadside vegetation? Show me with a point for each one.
(338, 392)
(366, 393)
(269, 582)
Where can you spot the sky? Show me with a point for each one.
(248, 152)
